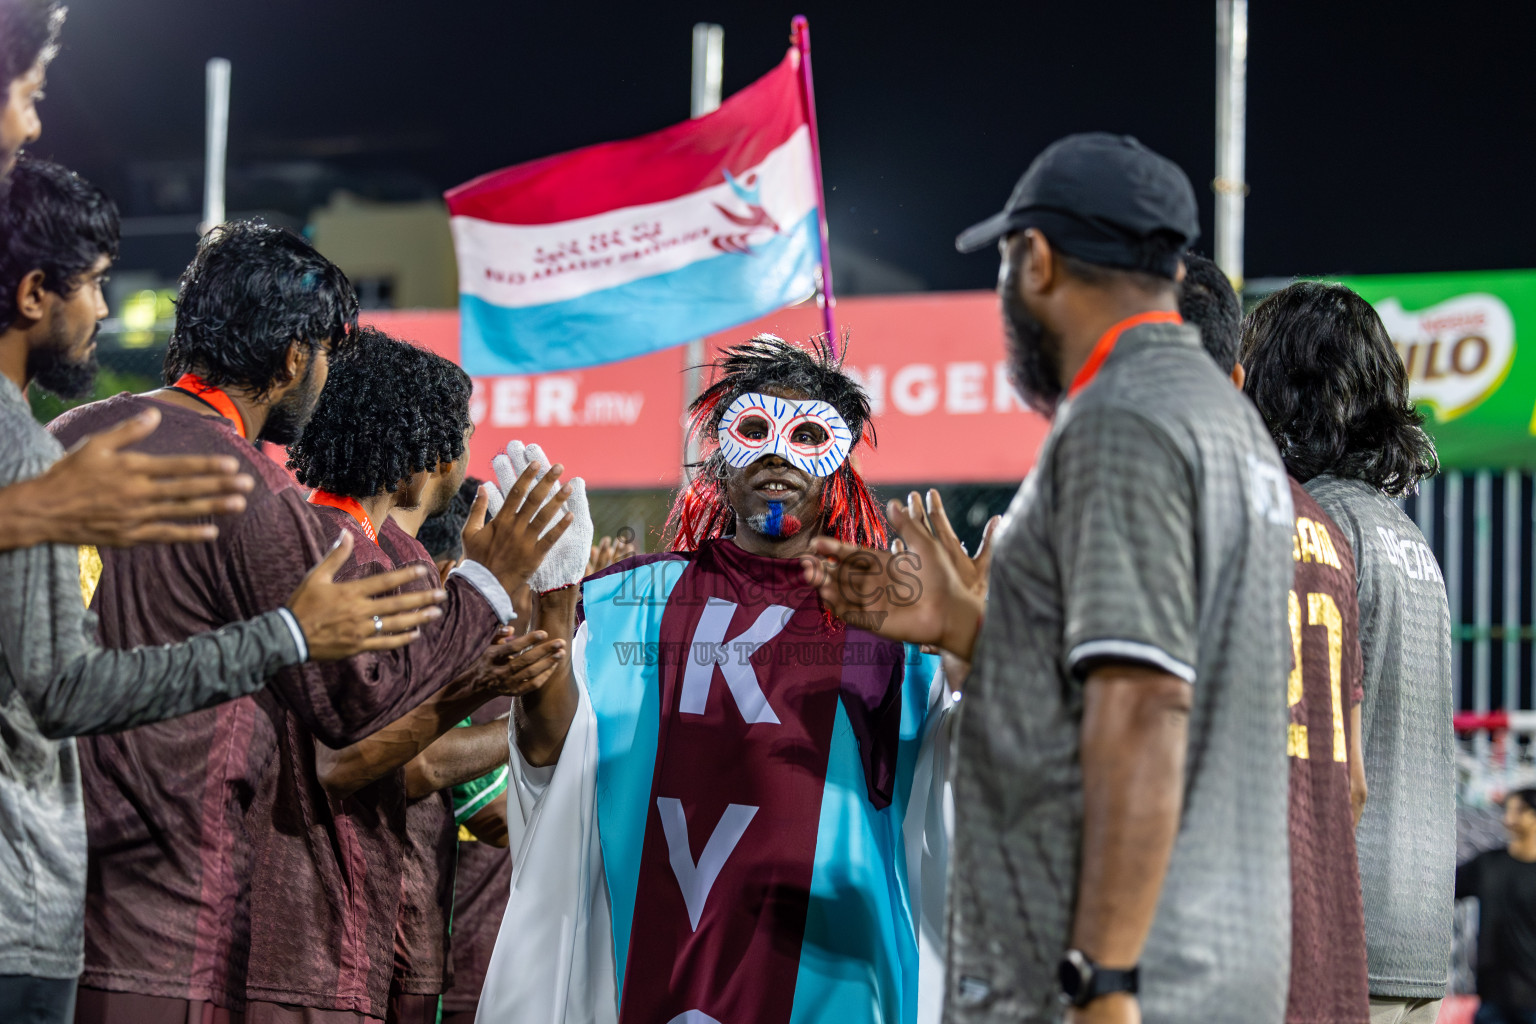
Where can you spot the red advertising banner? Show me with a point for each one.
(934, 366)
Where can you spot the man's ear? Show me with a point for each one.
(31, 297)
(1040, 270)
(294, 360)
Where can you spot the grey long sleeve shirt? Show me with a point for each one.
(55, 681)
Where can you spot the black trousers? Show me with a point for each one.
(1488, 1014)
(28, 1000)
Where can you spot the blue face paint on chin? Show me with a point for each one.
(774, 523)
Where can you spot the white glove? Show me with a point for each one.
(506, 476)
(566, 562)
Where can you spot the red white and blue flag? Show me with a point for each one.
(624, 248)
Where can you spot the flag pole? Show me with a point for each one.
(801, 30)
(704, 98)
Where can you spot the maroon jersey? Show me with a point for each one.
(422, 962)
(328, 872)
(1328, 973)
(168, 805)
(482, 884)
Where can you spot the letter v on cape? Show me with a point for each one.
(624, 248)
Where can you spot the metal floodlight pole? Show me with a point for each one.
(708, 66)
(1231, 134)
(217, 142)
(704, 98)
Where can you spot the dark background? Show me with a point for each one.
(1381, 137)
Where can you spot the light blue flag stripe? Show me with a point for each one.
(641, 316)
(859, 963)
(623, 613)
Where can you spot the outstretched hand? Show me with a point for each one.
(914, 594)
(565, 561)
(343, 619)
(607, 551)
(526, 521)
(101, 494)
(514, 666)
(971, 570)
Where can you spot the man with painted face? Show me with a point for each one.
(712, 795)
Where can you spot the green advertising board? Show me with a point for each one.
(1460, 337)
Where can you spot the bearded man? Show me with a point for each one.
(1120, 771)
(168, 924)
(391, 431)
(58, 237)
(713, 794)
(97, 494)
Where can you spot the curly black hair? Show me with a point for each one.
(389, 410)
(55, 221)
(1207, 301)
(29, 32)
(441, 534)
(1333, 390)
(251, 290)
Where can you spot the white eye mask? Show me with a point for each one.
(783, 417)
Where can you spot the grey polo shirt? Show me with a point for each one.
(55, 681)
(1155, 529)
(1407, 836)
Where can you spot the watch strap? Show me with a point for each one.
(1106, 980)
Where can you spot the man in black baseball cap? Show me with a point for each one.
(1120, 778)
(1113, 216)
(1103, 198)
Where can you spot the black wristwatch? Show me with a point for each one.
(1083, 981)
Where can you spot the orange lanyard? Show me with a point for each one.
(193, 384)
(1106, 344)
(347, 505)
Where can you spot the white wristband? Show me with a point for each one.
(485, 581)
(298, 634)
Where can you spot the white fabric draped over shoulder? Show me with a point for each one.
(553, 962)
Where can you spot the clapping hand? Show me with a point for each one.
(565, 563)
(607, 551)
(343, 619)
(916, 594)
(513, 666)
(528, 517)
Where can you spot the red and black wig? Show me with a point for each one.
(772, 365)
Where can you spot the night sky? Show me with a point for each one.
(1382, 137)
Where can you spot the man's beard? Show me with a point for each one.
(50, 367)
(442, 500)
(1034, 355)
(287, 419)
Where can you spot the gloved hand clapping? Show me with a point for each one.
(566, 562)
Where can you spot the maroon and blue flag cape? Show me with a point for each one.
(726, 837)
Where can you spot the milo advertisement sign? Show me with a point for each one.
(1459, 335)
